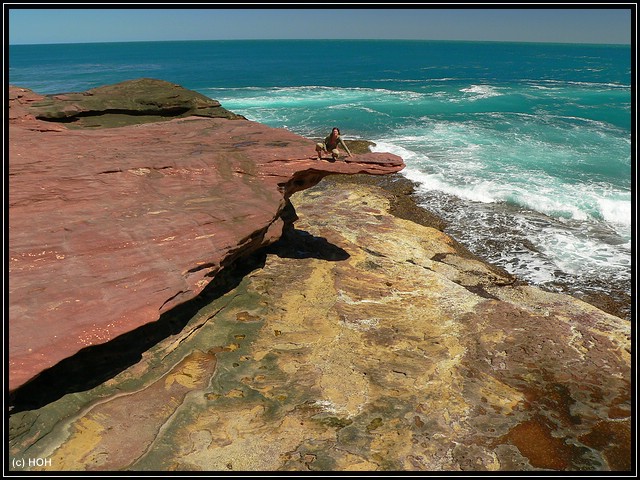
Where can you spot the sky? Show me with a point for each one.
(533, 23)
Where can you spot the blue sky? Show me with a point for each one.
(531, 24)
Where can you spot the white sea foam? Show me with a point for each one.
(581, 255)
(481, 91)
(538, 197)
(524, 163)
(313, 97)
(384, 146)
(616, 211)
(483, 192)
(562, 83)
(575, 227)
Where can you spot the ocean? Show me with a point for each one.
(523, 148)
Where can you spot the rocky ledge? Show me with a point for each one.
(356, 341)
(111, 227)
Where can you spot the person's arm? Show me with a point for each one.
(344, 145)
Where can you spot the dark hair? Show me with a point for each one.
(336, 128)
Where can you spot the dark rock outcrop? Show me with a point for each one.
(111, 227)
(135, 101)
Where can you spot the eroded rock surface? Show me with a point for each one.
(109, 228)
(363, 342)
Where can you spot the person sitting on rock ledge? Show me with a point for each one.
(330, 143)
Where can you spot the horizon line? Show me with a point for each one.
(322, 39)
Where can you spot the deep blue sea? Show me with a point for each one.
(524, 148)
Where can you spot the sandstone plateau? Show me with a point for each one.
(189, 295)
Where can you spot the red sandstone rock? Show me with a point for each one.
(109, 228)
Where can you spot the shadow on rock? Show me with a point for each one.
(300, 244)
(94, 365)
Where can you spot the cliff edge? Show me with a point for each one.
(126, 200)
(328, 334)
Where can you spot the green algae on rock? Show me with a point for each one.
(131, 102)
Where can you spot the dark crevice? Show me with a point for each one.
(94, 365)
(248, 143)
(412, 262)
(480, 291)
(119, 170)
(373, 252)
(201, 267)
(300, 244)
(165, 112)
(439, 257)
(181, 292)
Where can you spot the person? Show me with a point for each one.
(330, 144)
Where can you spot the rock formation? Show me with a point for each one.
(328, 334)
(111, 227)
(361, 342)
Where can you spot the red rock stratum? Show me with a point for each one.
(111, 227)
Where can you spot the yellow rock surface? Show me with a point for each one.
(363, 343)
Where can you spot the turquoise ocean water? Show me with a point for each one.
(524, 148)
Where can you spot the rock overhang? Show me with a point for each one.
(111, 227)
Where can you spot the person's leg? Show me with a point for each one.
(335, 153)
(319, 149)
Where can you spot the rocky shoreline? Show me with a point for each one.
(402, 189)
(404, 205)
(358, 342)
(351, 334)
